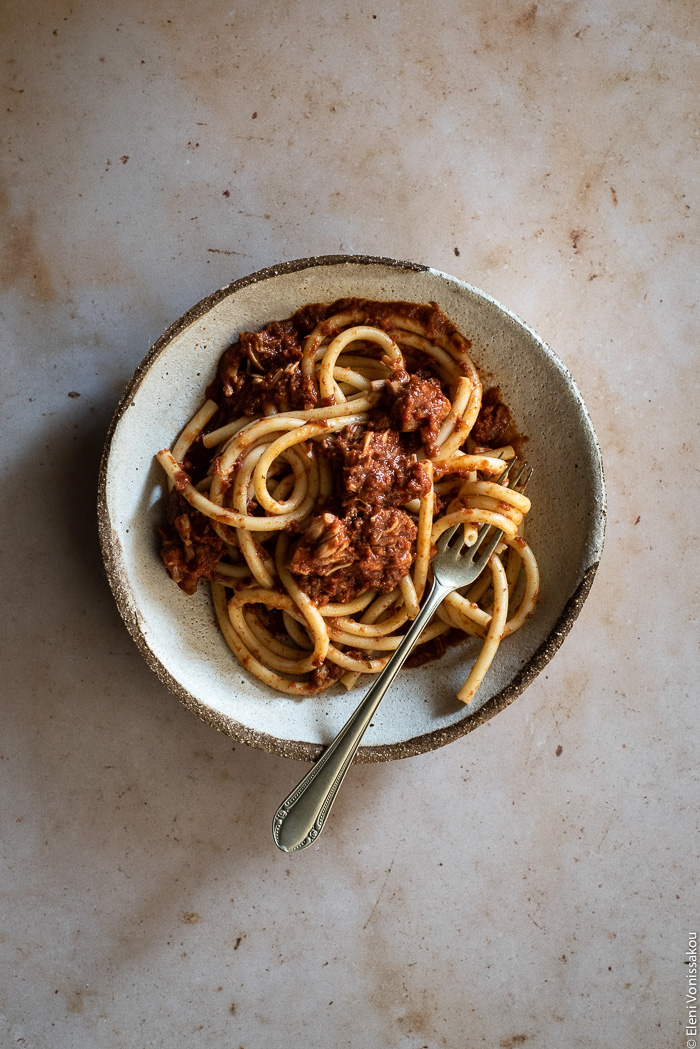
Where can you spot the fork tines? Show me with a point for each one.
(486, 544)
(490, 544)
(515, 483)
(518, 485)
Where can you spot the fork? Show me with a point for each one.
(302, 815)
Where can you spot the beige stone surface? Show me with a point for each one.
(534, 883)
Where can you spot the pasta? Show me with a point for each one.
(310, 489)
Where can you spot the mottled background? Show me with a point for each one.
(530, 885)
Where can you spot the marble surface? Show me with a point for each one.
(533, 884)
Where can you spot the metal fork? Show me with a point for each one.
(302, 815)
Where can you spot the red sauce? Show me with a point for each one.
(494, 424)
(181, 480)
(369, 548)
(416, 403)
(190, 548)
(261, 370)
(377, 470)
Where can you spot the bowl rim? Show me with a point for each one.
(300, 749)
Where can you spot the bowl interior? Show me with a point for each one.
(178, 634)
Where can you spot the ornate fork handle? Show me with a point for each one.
(300, 818)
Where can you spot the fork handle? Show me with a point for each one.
(302, 815)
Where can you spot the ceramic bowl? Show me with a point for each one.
(178, 635)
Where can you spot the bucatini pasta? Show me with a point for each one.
(331, 452)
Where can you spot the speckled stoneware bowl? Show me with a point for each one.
(178, 635)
